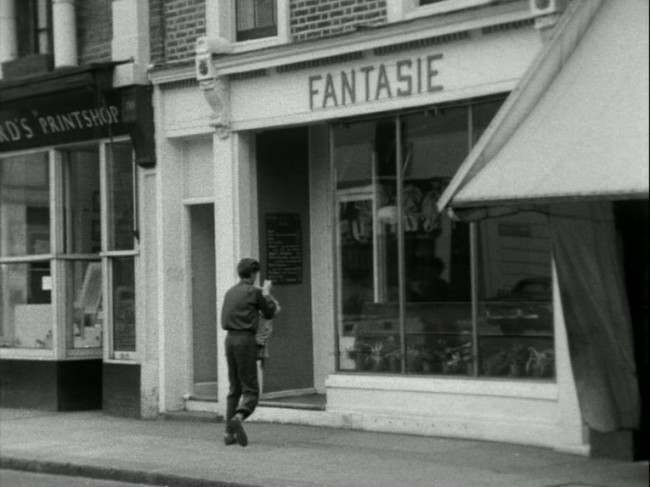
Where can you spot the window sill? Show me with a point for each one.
(538, 389)
(256, 44)
(26, 354)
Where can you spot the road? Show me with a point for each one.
(15, 478)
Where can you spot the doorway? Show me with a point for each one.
(283, 199)
(203, 303)
(632, 223)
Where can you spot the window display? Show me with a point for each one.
(404, 270)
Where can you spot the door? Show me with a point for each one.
(203, 292)
(283, 198)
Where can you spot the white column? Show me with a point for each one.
(130, 41)
(64, 25)
(8, 39)
(226, 241)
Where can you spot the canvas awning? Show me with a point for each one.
(577, 124)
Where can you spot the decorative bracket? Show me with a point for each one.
(215, 88)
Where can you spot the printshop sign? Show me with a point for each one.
(374, 82)
(57, 119)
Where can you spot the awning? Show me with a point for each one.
(577, 125)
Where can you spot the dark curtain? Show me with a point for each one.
(590, 274)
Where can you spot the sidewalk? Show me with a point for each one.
(192, 453)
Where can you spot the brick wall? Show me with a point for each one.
(94, 30)
(174, 26)
(312, 19)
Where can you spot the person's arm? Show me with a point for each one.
(266, 305)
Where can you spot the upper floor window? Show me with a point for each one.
(34, 18)
(256, 19)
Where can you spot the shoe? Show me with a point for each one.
(237, 430)
(229, 439)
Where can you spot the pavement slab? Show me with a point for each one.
(192, 453)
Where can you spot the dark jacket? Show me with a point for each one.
(242, 306)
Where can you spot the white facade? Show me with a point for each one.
(198, 165)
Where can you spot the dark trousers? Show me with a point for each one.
(241, 355)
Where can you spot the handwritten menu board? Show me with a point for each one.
(283, 248)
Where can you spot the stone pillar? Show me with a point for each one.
(64, 27)
(8, 38)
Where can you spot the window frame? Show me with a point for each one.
(107, 257)
(221, 23)
(58, 259)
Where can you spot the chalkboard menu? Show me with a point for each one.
(283, 248)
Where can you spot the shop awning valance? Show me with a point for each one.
(577, 125)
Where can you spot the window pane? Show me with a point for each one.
(255, 19)
(81, 196)
(120, 211)
(24, 205)
(438, 322)
(516, 304)
(482, 115)
(25, 305)
(123, 292)
(84, 304)
(368, 321)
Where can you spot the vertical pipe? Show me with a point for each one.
(400, 243)
(473, 252)
(473, 256)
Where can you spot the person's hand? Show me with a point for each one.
(266, 287)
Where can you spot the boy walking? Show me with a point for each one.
(240, 315)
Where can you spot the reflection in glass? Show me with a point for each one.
(120, 174)
(516, 304)
(25, 305)
(24, 205)
(482, 114)
(438, 321)
(84, 304)
(368, 322)
(123, 295)
(81, 196)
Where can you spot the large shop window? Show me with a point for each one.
(68, 250)
(26, 317)
(419, 293)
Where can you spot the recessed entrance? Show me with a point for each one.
(203, 292)
(283, 198)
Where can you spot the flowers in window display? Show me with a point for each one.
(520, 361)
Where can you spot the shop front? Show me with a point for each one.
(327, 161)
(572, 147)
(68, 239)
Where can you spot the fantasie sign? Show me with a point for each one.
(57, 119)
(364, 84)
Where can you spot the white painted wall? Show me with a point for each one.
(148, 314)
(322, 250)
